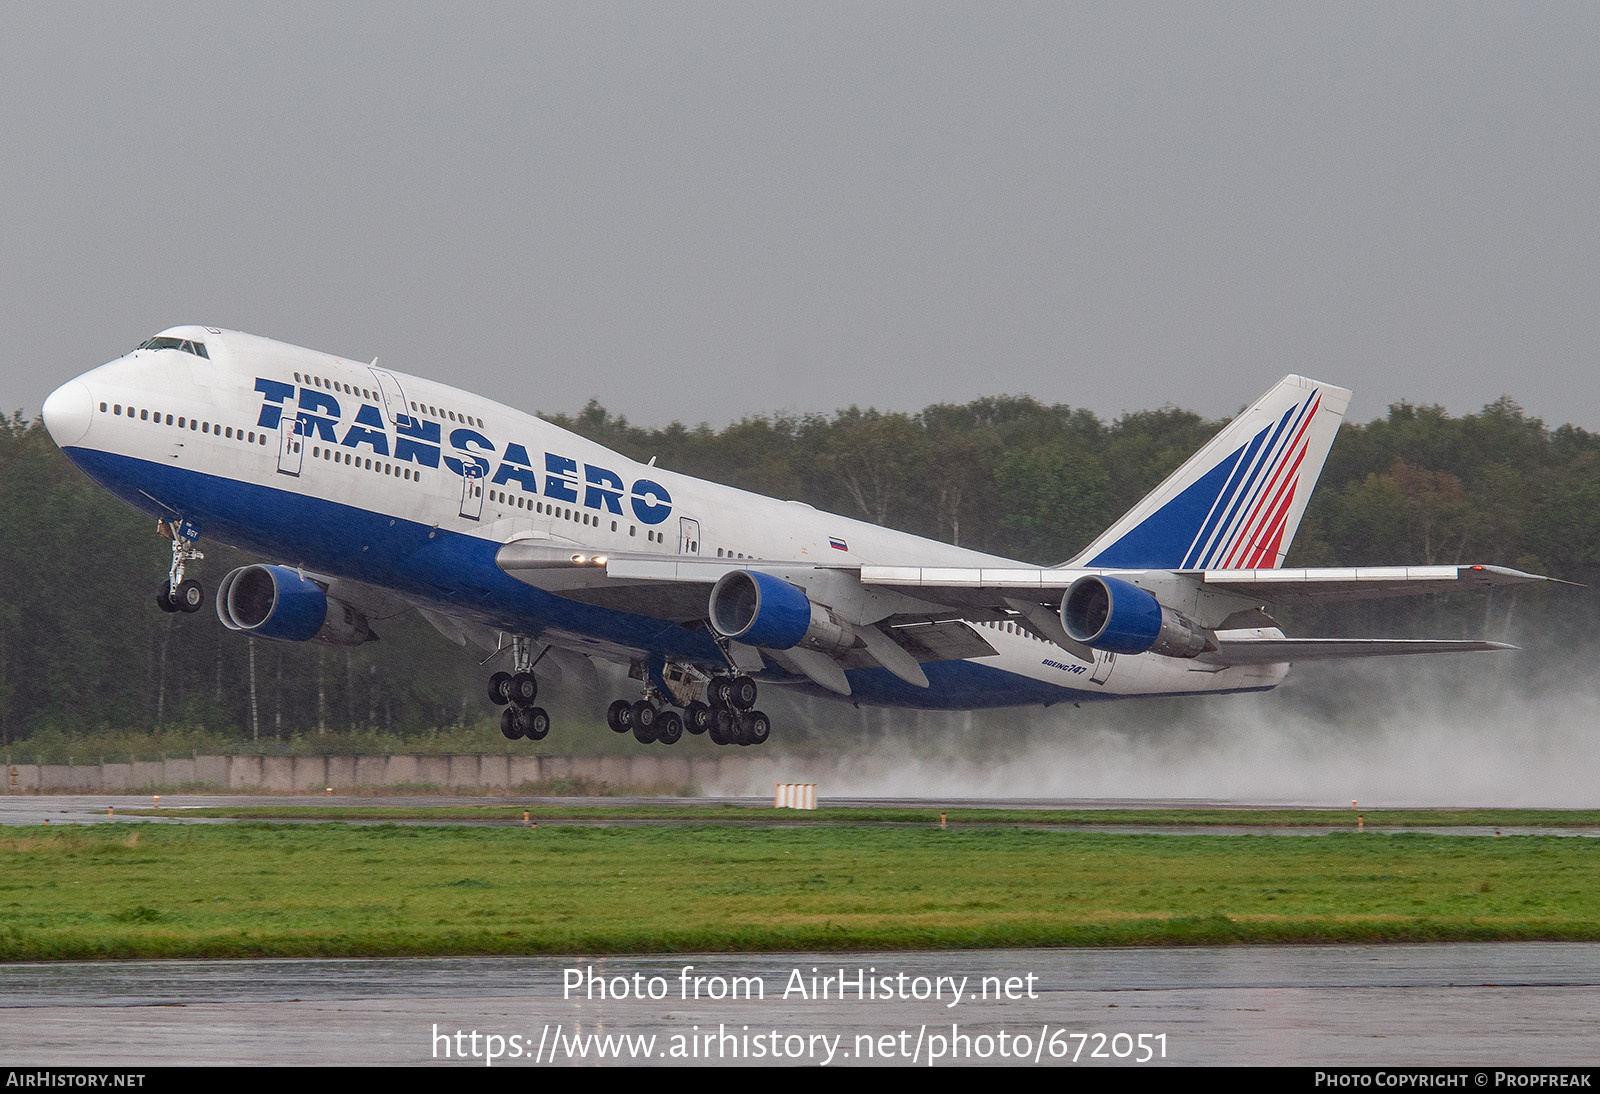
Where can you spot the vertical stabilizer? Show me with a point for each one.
(1235, 504)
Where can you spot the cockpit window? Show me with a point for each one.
(184, 344)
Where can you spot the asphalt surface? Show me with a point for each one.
(1481, 1005)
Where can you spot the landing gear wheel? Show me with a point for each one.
(759, 726)
(669, 727)
(523, 689)
(696, 717)
(536, 724)
(720, 692)
(499, 688)
(511, 724)
(619, 716)
(164, 600)
(190, 597)
(644, 716)
(742, 692)
(721, 730)
(644, 732)
(740, 733)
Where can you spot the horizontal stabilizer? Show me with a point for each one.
(1273, 651)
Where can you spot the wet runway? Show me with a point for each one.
(1531, 1004)
(102, 808)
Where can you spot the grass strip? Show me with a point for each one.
(1188, 818)
(251, 890)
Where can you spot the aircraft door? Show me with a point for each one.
(394, 399)
(1103, 664)
(472, 493)
(291, 446)
(688, 536)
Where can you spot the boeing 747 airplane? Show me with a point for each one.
(374, 492)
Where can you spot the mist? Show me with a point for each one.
(1462, 731)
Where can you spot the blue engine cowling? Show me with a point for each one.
(278, 602)
(760, 610)
(1108, 613)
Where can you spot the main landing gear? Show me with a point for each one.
(178, 594)
(727, 718)
(516, 691)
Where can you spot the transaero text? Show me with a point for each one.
(317, 415)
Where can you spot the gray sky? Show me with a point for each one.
(704, 211)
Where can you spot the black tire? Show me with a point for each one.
(190, 597)
(644, 734)
(742, 692)
(741, 730)
(619, 716)
(537, 726)
(523, 689)
(696, 717)
(721, 730)
(760, 727)
(645, 715)
(164, 600)
(499, 688)
(719, 692)
(669, 727)
(510, 727)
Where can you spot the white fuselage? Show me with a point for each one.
(388, 479)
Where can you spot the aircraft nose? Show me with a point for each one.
(67, 412)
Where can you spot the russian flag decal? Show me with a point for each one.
(837, 544)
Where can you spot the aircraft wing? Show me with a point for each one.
(902, 601)
(1301, 586)
(676, 586)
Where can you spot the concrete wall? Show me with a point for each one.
(658, 768)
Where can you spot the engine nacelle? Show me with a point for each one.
(1108, 613)
(762, 610)
(277, 602)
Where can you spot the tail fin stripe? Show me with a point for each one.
(1228, 545)
(1249, 530)
(1267, 552)
(1241, 459)
(1256, 532)
(1274, 511)
(1241, 500)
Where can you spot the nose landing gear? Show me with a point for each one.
(178, 594)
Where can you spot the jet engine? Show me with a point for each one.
(1108, 613)
(280, 603)
(762, 610)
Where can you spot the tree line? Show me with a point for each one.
(83, 646)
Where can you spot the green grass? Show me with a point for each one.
(1187, 818)
(117, 891)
